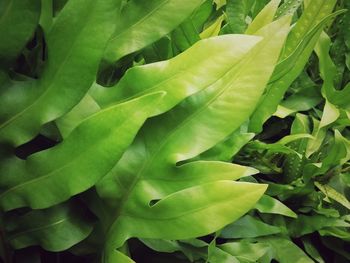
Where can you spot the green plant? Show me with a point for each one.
(207, 130)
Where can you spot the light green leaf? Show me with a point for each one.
(197, 68)
(265, 17)
(52, 176)
(268, 204)
(148, 183)
(214, 29)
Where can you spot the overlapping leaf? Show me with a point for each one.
(18, 20)
(85, 156)
(74, 53)
(139, 25)
(148, 173)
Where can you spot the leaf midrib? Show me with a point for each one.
(60, 221)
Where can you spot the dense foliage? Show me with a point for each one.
(174, 131)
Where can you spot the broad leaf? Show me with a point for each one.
(146, 187)
(195, 69)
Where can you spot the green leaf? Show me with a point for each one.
(245, 251)
(196, 69)
(293, 165)
(303, 100)
(168, 220)
(46, 17)
(140, 24)
(312, 250)
(187, 33)
(248, 227)
(147, 187)
(309, 224)
(333, 194)
(52, 176)
(86, 107)
(159, 50)
(264, 17)
(18, 20)
(216, 254)
(270, 205)
(293, 59)
(225, 150)
(328, 72)
(54, 229)
(74, 53)
(236, 13)
(214, 29)
(285, 251)
(288, 8)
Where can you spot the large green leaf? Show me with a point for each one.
(85, 156)
(155, 198)
(18, 20)
(55, 229)
(195, 69)
(144, 22)
(74, 53)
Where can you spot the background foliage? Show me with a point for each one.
(174, 131)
